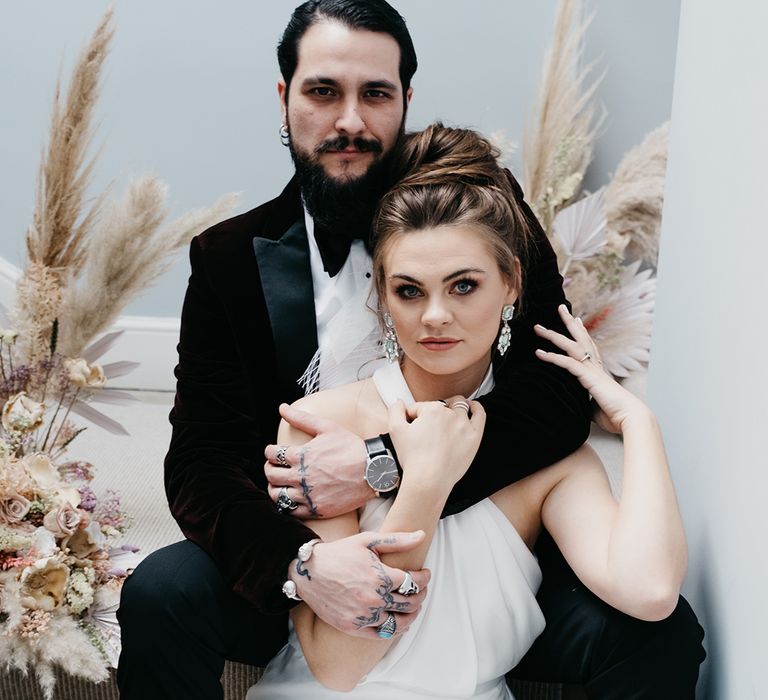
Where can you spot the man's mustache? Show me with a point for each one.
(342, 142)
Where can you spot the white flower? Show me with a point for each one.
(80, 591)
(68, 494)
(22, 413)
(622, 322)
(42, 470)
(43, 584)
(82, 375)
(45, 542)
(8, 336)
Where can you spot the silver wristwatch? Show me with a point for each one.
(381, 472)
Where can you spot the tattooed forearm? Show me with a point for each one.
(306, 489)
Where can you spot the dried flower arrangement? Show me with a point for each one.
(606, 241)
(60, 571)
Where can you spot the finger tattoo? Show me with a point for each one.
(306, 489)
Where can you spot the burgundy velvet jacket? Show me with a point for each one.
(250, 294)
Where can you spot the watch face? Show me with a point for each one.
(381, 473)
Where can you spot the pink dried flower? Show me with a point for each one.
(13, 508)
(109, 513)
(11, 560)
(62, 521)
(76, 471)
(87, 499)
(33, 623)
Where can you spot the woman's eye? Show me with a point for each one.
(465, 286)
(408, 291)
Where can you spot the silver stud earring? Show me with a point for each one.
(391, 346)
(506, 333)
(285, 137)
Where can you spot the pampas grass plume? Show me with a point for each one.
(635, 196)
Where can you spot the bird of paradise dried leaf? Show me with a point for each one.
(60, 575)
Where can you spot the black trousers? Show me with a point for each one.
(179, 622)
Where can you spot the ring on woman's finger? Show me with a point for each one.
(284, 501)
(587, 356)
(387, 629)
(408, 586)
(461, 404)
(280, 456)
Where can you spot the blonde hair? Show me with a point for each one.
(451, 177)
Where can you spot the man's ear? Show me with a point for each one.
(282, 91)
(408, 96)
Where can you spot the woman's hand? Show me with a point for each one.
(582, 359)
(436, 441)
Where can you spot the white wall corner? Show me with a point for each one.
(149, 340)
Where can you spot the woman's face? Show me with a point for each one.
(445, 292)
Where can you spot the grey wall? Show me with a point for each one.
(708, 378)
(190, 91)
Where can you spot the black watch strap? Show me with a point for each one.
(375, 446)
(386, 441)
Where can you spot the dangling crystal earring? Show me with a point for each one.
(285, 137)
(391, 347)
(506, 333)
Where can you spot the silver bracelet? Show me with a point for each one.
(304, 553)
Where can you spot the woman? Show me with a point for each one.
(448, 240)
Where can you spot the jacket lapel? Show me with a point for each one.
(286, 279)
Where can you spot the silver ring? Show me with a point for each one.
(461, 404)
(408, 586)
(387, 629)
(587, 356)
(280, 456)
(284, 501)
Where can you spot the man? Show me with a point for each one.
(279, 282)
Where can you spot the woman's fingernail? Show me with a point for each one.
(538, 325)
(539, 351)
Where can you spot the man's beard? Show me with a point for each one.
(344, 207)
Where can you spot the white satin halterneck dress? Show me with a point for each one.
(479, 618)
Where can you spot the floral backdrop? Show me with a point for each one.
(607, 240)
(88, 255)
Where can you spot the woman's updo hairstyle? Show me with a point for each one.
(451, 177)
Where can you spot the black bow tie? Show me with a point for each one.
(334, 246)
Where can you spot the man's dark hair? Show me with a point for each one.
(372, 15)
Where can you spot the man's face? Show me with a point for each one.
(344, 107)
